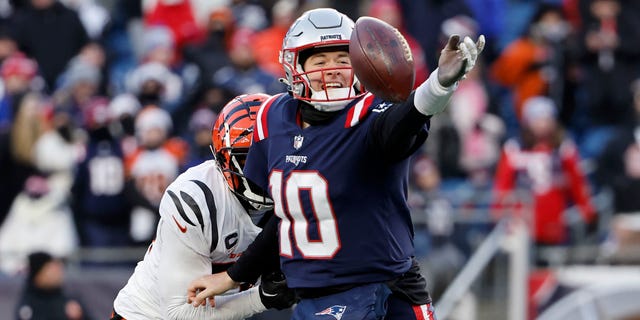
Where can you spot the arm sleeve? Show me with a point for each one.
(578, 184)
(261, 257)
(183, 256)
(179, 264)
(235, 306)
(402, 129)
(399, 131)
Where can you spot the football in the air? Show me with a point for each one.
(381, 59)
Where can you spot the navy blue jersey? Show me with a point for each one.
(342, 206)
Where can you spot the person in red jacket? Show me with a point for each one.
(545, 163)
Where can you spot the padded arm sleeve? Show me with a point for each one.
(261, 257)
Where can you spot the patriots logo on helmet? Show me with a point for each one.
(335, 311)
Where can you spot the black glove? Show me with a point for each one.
(274, 292)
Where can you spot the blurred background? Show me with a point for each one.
(525, 197)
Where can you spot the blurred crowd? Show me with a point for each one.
(104, 102)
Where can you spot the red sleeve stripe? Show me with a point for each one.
(261, 130)
(359, 110)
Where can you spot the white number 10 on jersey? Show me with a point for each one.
(292, 215)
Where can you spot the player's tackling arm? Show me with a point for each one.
(261, 257)
(185, 255)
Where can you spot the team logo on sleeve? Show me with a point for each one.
(182, 228)
(382, 107)
(335, 311)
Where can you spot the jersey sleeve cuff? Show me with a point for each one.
(431, 97)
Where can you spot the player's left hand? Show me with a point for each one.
(457, 58)
(274, 292)
(208, 286)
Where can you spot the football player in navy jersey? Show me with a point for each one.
(335, 160)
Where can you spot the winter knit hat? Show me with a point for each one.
(538, 107)
(37, 260)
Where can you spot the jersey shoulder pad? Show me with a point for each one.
(261, 129)
(189, 203)
(364, 107)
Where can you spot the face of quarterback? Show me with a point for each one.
(333, 78)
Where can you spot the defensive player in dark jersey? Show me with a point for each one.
(335, 159)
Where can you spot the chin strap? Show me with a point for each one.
(322, 102)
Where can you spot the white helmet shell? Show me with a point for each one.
(317, 28)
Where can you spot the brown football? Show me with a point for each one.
(381, 59)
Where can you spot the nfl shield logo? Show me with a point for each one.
(297, 141)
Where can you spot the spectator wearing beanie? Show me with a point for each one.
(43, 297)
(544, 162)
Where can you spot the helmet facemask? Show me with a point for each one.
(328, 98)
(319, 30)
(231, 162)
(232, 137)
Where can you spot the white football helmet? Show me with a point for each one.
(316, 29)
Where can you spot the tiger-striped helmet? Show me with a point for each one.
(232, 136)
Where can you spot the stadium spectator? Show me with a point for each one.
(244, 75)
(51, 34)
(40, 216)
(249, 15)
(93, 15)
(155, 84)
(78, 87)
(101, 210)
(209, 56)
(123, 109)
(200, 132)
(8, 45)
(545, 163)
(538, 63)
(94, 55)
(390, 12)
(43, 296)
(423, 20)
(158, 45)
(434, 219)
(17, 140)
(619, 170)
(266, 43)
(465, 142)
(177, 15)
(619, 165)
(149, 170)
(610, 61)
